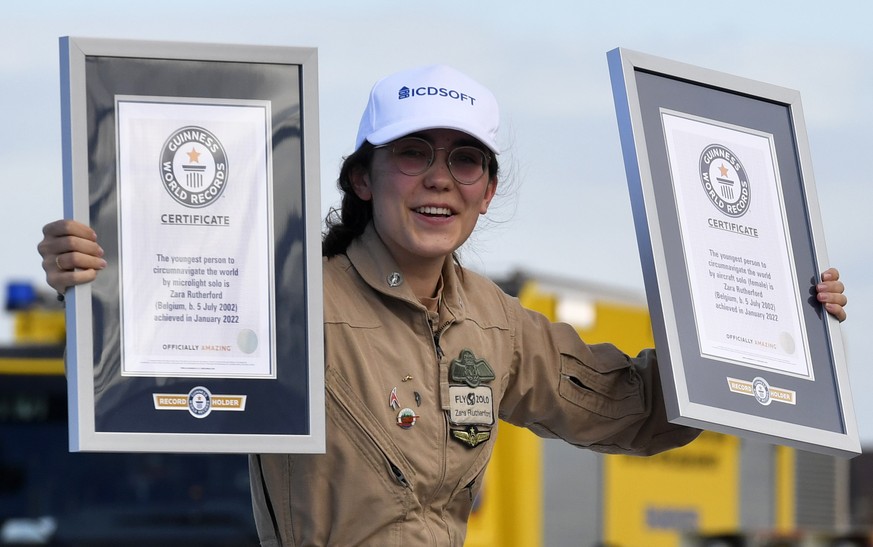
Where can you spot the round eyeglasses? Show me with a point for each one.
(413, 156)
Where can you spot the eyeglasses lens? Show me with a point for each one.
(414, 156)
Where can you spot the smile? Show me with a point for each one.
(434, 211)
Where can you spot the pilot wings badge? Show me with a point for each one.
(470, 370)
(471, 436)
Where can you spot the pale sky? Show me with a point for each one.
(564, 209)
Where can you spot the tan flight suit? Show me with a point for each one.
(413, 397)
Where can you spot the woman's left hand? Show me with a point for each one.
(830, 293)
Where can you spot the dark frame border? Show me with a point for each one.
(823, 420)
(109, 412)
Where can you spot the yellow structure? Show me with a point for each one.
(785, 489)
(649, 500)
(39, 333)
(40, 326)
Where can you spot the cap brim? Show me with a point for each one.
(403, 128)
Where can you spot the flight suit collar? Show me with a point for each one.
(374, 263)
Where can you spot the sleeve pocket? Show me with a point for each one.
(608, 386)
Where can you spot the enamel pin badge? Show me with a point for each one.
(406, 418)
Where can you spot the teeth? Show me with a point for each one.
(434, 211)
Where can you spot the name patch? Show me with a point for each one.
(471, 405)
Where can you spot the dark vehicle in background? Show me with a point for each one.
(49, 496)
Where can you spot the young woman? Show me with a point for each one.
(422, 356)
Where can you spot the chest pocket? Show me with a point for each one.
(365, 438)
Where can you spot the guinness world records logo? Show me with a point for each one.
(199, 402)
(193, 166)
(724, 180)
(761, 391)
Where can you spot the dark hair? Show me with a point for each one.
(351, 219)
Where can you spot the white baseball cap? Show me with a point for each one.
(430, 97)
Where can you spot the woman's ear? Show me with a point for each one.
(360, 179)
(490, 190)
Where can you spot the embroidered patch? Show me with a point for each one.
(471, 405)
(471, 436)
(466, 368)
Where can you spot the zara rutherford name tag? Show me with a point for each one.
(471, 405)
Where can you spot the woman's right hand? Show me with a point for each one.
(70, 254)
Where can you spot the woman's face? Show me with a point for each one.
(426, 216)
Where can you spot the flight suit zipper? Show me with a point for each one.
(436, 340)
(439, 355)
(398, 474)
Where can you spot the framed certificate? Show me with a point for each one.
(197, 166)
(731, 245)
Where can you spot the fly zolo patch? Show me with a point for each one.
(471, 405)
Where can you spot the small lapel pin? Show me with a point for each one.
(392, 400)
